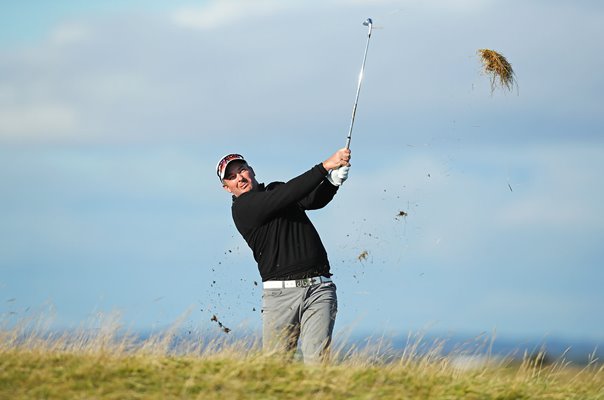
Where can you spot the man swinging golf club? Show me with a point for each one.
(299, 299)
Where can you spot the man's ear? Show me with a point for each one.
(225, 187)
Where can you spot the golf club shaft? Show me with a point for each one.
(368, 23)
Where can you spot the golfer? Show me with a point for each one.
(299, 299)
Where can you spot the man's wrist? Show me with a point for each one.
(323, 168)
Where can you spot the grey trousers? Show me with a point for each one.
(307, 314)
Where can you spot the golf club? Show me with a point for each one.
(369, 23)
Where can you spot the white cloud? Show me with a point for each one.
(116, 86)
(69, 33)
(460, 208)
(143, 74)
(562, 191)
(544, 211)
(218, 13)
(37, 120)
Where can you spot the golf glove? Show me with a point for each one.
(337, 176)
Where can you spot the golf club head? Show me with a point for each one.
(368, 22)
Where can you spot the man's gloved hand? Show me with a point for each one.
(337, 176)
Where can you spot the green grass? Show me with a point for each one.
(102, 365)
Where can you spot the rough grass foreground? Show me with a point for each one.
(105, 366)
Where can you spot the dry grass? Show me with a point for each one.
(499, 69)
(106, 363)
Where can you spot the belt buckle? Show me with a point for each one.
(305, 282)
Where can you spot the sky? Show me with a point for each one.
(114, 114)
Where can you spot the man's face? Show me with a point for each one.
(239, 178)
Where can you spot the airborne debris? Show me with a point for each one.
(220, 324)
(402, 214)
(363, 255)
(497, 66)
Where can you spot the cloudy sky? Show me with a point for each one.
(113, 115)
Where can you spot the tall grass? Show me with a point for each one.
(105, 361)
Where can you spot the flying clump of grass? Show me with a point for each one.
(499, 69)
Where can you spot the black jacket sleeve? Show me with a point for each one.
(319, 197)
(254, 208)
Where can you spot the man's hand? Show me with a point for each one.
(337, 176)
(340, 158)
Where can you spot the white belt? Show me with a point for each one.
(315, 280)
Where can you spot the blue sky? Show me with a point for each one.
(113, 115)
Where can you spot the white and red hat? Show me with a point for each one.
(224, 161)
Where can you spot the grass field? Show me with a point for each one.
(101, 364)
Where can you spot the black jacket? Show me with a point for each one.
(273, 222)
